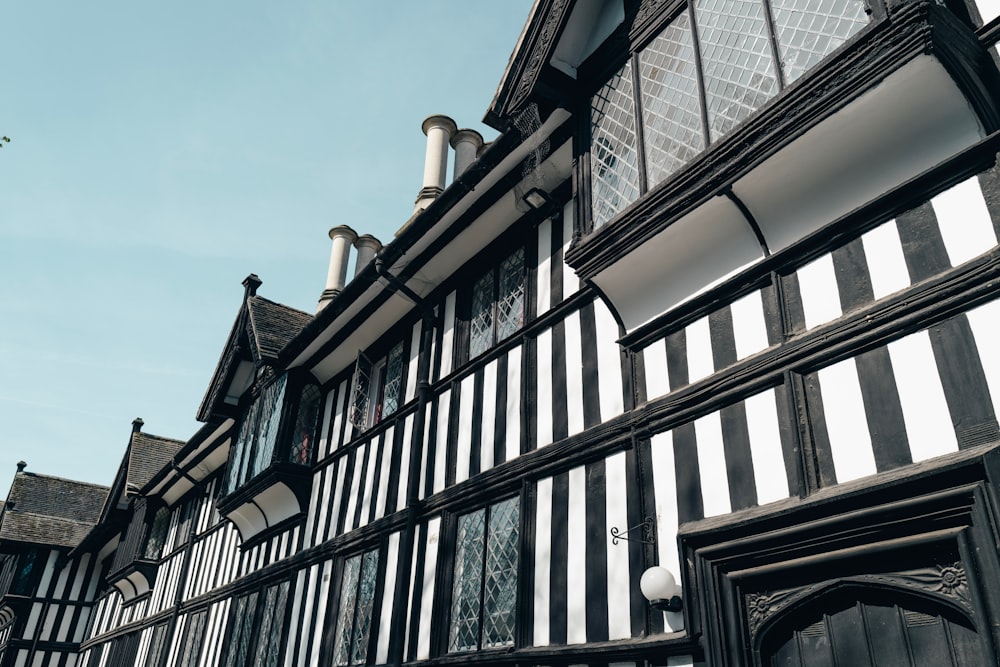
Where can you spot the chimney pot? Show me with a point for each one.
(368, 247)
(21, 465)
(137, 424)
(438, 129)
(466, 143)
(340, 252)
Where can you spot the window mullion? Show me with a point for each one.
(696, 49)
(779, 70)
(482, 578)
(640, 134)
(354, 611)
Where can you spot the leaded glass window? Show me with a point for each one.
(28, 570)
(484, 583)
(354, 618)
(256, 628)
(156, 646)
(390, 381)
(194, 635)
(497, 304)
(305, 425)
(272, 620)
(614, 160)
(253, 450)
(157, 534)
(241, 626)
(732, 75)
(377, 388)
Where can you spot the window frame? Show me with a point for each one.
(446, 593)
(372, 388)
(331, 640)
(494, 256)
(259, 594)
(623, 47)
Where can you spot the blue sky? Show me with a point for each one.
(162, 151)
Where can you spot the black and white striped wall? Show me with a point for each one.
(59, 610)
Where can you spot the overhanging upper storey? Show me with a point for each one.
(714, 133)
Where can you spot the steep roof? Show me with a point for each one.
(147, 455)
(273, 325)
(262, 328)
(50, 510)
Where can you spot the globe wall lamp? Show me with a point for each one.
(659, 586)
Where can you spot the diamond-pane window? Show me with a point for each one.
(737, 41)
(496, 309)
(354, 618)
(253, 450)
(256, 626)
(484, 582)
(614, 162)
(736, 60)
(392, 384)
(377, 388)
(671, 102)
(157, 534)
(510, 295)
(305, 425)
(807, 30)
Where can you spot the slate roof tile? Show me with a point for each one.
(274, 325)
(50, 510)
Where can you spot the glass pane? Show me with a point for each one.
(736, 58)
(500, 592)
(192, 640)
(305, 425)
(467, 582)
(614, 163)
(270, 418)
(671, 104)
(359, 391)
(241, 448)
(271, 620)
(366, 596)
(239, 640)
(481, 316)
(807, 30)
(156, 646)
(393, 380)
(24, 581)
(157, 533)
(345, 618)
(510, 302)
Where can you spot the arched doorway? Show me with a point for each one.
(862, 626)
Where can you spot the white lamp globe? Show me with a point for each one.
(657, 583)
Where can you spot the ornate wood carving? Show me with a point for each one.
(945, 579)
(539, 53)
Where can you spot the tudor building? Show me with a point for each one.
(712, 322)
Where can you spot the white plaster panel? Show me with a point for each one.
(846, 421)
(964, 221)
(925, 409)
(886, 264)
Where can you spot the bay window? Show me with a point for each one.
(708, 69)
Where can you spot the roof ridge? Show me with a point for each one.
(66, 479)
(278, 303)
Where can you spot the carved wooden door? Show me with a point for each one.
(876, 631)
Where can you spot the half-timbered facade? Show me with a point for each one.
(721, 301)
(46, 590)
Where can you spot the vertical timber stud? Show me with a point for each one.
(398, 625)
